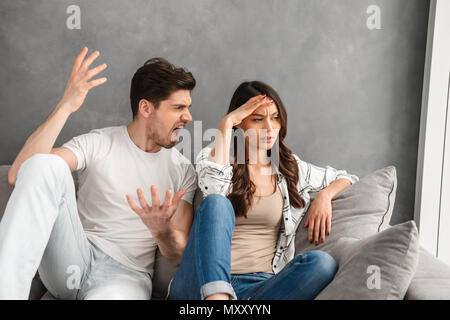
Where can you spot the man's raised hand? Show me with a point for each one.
(156, 217)
(80, 82)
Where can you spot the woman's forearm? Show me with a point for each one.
(335, 188)
(220, 152)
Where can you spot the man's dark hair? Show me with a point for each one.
(156, 80)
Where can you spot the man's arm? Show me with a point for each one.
(40, 141)
(169, 222)
(173, 242)
(43, 138)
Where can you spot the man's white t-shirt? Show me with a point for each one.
(110, 166)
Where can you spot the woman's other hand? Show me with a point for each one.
(318, 220)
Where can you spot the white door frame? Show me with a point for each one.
(432, 202)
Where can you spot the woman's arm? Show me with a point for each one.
(220, 152)
(328, 182)
(320, 211)
(336, 187)
(212, 163)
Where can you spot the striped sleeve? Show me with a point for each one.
(213, 178)
(314, 178)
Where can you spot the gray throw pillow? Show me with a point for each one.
(361, 210)
(431, 280)
(379, 267)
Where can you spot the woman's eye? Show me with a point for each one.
(257, 120)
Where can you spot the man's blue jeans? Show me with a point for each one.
(205, 267)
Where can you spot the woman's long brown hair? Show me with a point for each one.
(243, 188)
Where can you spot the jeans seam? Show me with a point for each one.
(196, 244)
(233, 280)
(72, 225)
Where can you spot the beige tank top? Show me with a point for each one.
(254, 240)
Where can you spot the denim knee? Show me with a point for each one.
(218, 206)
(325, 265)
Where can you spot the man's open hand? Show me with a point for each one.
(79, 82)
(158, 216)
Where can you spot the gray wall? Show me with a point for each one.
(353, 95)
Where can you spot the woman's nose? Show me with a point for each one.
(268, 125)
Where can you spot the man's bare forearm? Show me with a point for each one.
(172, 245)
(41, 140)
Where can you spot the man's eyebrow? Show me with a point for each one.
(181, 105)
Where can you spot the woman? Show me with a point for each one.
(241, 245)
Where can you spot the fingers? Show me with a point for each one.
(155, 197)
(168, 199)
(80, 64)
(316, 231)
(96, 70)
(133, 206)
(262, 100)
(251, 106)
(96, 82)
(94, 55)
(255, 99)
(311, 231)
(328, 225)
(178, 197)
(142, 200)
(79, 59)
(323, 225)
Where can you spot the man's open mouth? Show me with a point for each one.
(176, 133)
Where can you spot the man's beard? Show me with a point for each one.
(160, 141)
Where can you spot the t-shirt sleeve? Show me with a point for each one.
(189, 184)
(86, 147)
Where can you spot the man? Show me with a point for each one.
(94, 246)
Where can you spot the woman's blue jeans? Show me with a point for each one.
(205, 267)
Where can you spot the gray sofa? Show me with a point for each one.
(361, 239)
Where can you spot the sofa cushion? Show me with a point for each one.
(377, 267)
(431, 280)
(361, 210)
(164, 272)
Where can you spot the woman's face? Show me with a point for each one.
(262, 127)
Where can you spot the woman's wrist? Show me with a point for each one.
(226, 123)
(325, 194)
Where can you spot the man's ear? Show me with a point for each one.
(145, 108)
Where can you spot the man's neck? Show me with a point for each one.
(138, 134)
